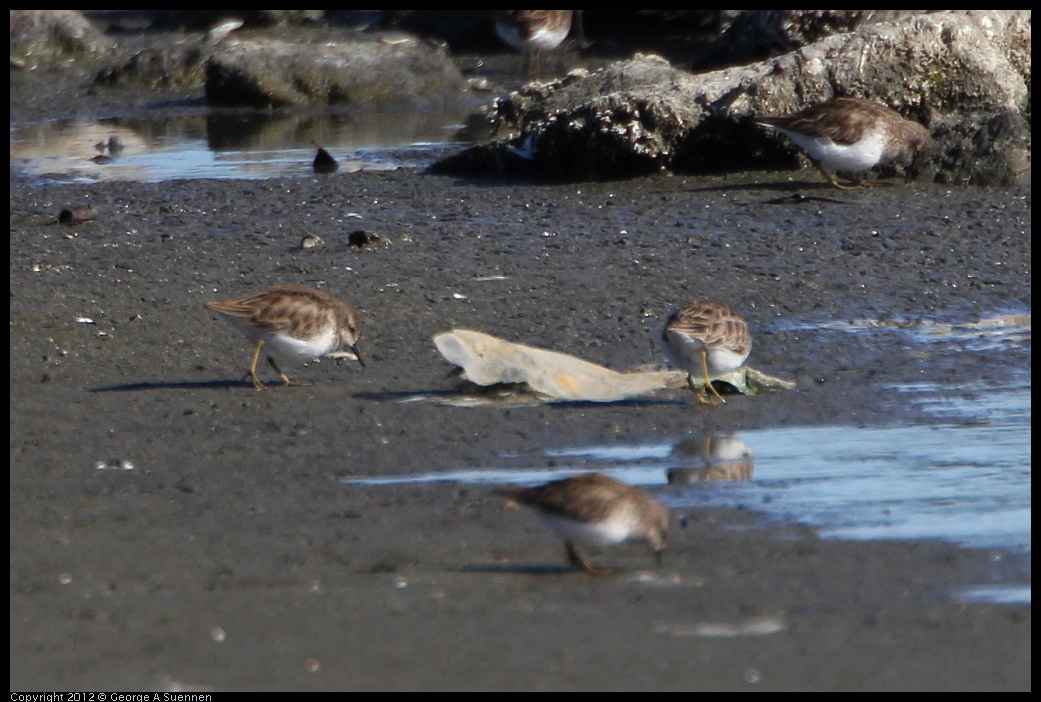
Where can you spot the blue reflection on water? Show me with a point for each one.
(967, 482)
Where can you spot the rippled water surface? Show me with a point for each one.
(965, 482)
(244, 145)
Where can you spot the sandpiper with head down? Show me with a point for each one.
(851, 135)
(291, 322)
(709, 338)
(593, 510)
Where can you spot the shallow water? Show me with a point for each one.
(965, 482)
(965, 477)
(243, 145)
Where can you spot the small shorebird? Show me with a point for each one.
(594, 510)
(706, 337)
(532, 32)
(851, 135)
(292, 322)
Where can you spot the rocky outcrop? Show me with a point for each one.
(274, 72)
(294, 66)
(966, 75)
(753, 35)
(46, 37)
(627, 119)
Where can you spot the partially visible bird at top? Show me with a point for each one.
(532, 32)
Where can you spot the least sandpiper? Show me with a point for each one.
(292, 322)
(594, 510)
(706, 337)
(533, 31)
(851, 135)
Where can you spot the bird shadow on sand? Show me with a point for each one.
(520, 569)
(544, 570)
(182, 385)
(791, 192)
(787, 193)
(770, 186)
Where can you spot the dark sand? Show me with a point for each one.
(234, 518)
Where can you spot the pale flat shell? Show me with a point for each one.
(489, 360)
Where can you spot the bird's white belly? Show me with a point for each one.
(853, 158)
(289, 348)
(684, 352)
(601, 533)
(543, 38)
(299, 349)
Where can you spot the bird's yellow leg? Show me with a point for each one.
(708, 383)
(252, 373)
(532, 67)
(283, 376)
(577, 560)
(871, 183)
(698, 390)
(831, 179)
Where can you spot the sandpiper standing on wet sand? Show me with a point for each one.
(291, 322)
(706, 337)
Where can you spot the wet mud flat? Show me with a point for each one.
(232, 556)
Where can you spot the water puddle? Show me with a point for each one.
(964, 483)
(995, 594)
(247, 145)
(1000, 331)
(967, 481)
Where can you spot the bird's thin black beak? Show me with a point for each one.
(357, 355)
